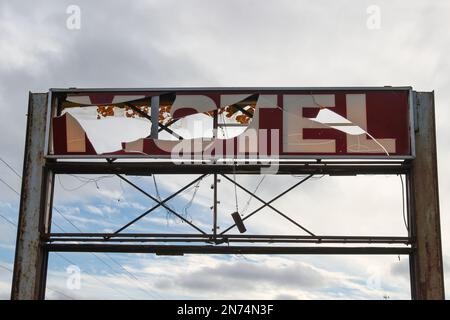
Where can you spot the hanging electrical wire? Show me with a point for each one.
(84, 181)
(403, 203)
(158, 196)
(189, 204)
(235, 188)
(250, 198)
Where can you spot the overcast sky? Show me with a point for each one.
(224, 43)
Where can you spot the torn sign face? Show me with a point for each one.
(257, 123)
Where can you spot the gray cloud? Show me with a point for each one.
(245, 275)
(236, 43)
(285, 297)
(401, 268)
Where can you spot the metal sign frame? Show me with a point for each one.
(56, 91)
(35, 240)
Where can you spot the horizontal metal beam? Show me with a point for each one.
(208, 238)
(232, 89)
(221, 240)
(197, 249)
(163, 235)
(148, 168)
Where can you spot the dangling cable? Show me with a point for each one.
(235, 187)
(159, 197)
(250, 198)
(189, 204)
(403, 203)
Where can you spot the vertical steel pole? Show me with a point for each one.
(215, 135)
(154, 111)
(411, 232)
(426, 268)
(30, 264)
(215, 207)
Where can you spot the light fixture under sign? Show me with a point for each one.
(238, 221)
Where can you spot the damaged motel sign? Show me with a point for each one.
(245, 123)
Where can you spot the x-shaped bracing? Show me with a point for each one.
(160, 203)
(166, 128)
(161, 126)
(268, 204)
(163, 204)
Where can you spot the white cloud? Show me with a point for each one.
(94, 209)
(252, 277)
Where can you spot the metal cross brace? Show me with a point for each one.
(160, 202)
(162, 126)
(166, 127)
(171, 122)
(267, 204)
(247, 113)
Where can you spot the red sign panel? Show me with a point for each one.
(267, 123)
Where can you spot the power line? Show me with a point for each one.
(65, 218)
(9, 186)
(6, 268)
(130, 274)
(73, 225)
(17, 193)
(9, 221)
(70, 262)
(15, 225)
(134, 277)
(60, 255)
(103, 261)
(52, 289)
(61, 293)
(12, 169)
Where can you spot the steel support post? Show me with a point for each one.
(154, 110)
(215, 199)
(426, 270)
(215, 193)
(30, 264)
